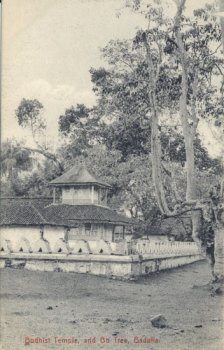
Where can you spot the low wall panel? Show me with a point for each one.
(100, 257)
(118, 266)
(77, 267)
(41, 265)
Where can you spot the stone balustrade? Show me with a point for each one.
(162, 248)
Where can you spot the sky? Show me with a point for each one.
(49, 47)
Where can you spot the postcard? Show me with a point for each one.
(111, 204)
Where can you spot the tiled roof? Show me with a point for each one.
(70, 214)
(21, 211)
(78, 175)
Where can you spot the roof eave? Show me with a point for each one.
(58, 184)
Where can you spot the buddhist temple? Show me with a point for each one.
(78, 211)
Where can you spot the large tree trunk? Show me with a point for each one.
(191, 191)
(189, 125)
(155, 132)
(219, 253)
(221, 8)
(219, 230)
(156, 163)
(219, 240)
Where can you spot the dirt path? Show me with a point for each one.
(71, 306)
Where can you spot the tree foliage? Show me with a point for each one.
(79, 129)
(14, 157)
(29, 115)
(74, 118)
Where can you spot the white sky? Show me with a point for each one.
(49, 47)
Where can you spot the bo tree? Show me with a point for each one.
(172, 68)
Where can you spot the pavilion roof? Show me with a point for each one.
(78, 175)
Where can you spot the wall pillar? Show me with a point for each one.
(113, 233)
(42, 231)
(106, 194)
(67, 229)
(73, 195)
(92, 194)
(54, 196)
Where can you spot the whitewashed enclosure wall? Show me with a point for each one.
(165, 247)
(53, 241)
(16, 234)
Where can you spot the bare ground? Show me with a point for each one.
(66, 305)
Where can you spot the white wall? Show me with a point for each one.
(32, 234)
(52, 234)
(75, 195)
(15, 234)
(107, 265)
(164, 248)
(108, 233)
(96, 196)
(67, 195)
(84, 195)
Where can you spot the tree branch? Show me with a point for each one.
(46, 154)
(155, 133)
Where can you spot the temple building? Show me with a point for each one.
(81, 199)
(78, 211)
(76, 231)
